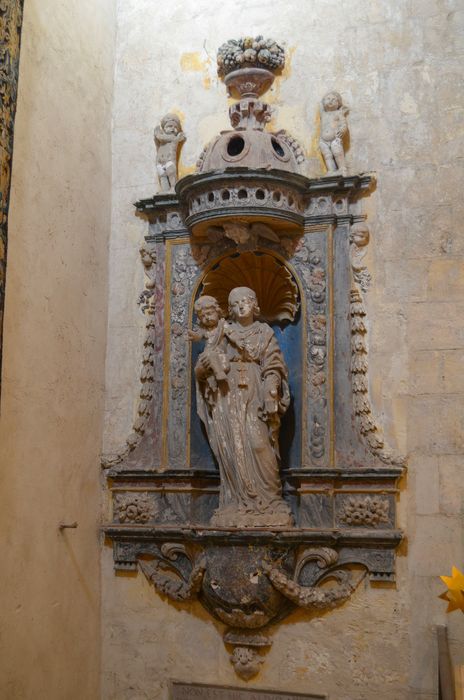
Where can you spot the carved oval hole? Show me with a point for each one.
(260, 194)
(278, 148)
(277, 196)
(210, 196)
(225, 194)
(242, 194)
(235, 146)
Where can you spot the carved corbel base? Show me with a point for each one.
(246, 647)
(250, 587)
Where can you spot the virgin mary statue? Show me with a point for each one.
(241, 409)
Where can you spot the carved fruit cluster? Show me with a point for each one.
(248, 51)
(365, 511)
(367, 425)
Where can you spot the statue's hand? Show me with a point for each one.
(205, 362)
(194, 335)
(270, 407)
(203, 367)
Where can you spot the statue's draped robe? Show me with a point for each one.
(245, 446)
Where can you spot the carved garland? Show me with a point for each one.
(370, 432)
(310, 264)
(145, 302)
(317, 350)
(184, 272)
(330, 584)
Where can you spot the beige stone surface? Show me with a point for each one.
(398, 66)
(54, 353)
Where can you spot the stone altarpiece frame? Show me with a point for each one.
(249, 218)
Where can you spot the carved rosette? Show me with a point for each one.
(134, 508)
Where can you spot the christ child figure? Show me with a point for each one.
(333, 129)
(211, 329)
(168, 136)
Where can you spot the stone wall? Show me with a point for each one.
(397, 66)
(54, 354)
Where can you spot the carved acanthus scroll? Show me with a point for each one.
(316, 596)
(183, 575)
(166, 580)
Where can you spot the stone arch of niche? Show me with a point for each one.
(275, 285)
(282, 303)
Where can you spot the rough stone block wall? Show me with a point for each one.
(398, 66)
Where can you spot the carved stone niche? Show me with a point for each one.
(253, 537)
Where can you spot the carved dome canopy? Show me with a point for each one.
(247, 172)
(250, 148)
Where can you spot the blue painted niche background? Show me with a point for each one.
(290, 339)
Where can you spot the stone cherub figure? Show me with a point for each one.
(211, 329)
(333, 129)
(168, 137)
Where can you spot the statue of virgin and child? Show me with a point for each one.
(242, 392)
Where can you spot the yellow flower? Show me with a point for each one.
(455, 593)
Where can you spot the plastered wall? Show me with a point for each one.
(398, 66)
(54, 354)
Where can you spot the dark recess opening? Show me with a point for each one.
(235, 146)
(277, 148)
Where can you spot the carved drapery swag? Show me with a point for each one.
(11, 15)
